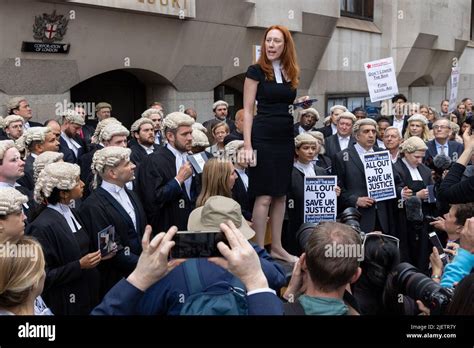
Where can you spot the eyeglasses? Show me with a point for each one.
(441, 127)
(385, 237)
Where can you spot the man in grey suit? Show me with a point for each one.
(441, 143)
(349, 168)
(343, 137)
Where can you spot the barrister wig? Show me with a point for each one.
(102, 106)
(11, 201)
(320, 138)
(61, 175)
(363, 122)
(73, 116)
(200, 139)
(5, 145)
(113, 130)
(1, 122)
(311, 111)
(20, 144)
(288, 58)
(413, 144)
(176, 120)
(101, 125)
(349, 115)
(304, 138)
(149, 112)
(199, 127)
(43, 160)
(110, 156)
(419, 118)
(232, 148)
(140, 122)
(219, 103)
(11, 119)
(14, 103)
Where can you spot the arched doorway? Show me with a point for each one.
(232, 92)
(125, 90)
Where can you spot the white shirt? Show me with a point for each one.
(307, 169)
(181, 158)
(277, 71)
(121, 196)
(380, 144)
(343, 141)
(7, 185)
(361, 151)
(71, 143)
(149, 150)
(245, 178)
(66, 212)
(334, 128)
(415, 174)
(394, 159)
(26, 125)
(398, 123)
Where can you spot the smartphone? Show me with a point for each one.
(436, 242)
(308, 103)
(196, 244)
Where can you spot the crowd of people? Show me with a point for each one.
(67, 183)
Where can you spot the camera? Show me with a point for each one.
(411, 282)
(196, 244)
(350, 216)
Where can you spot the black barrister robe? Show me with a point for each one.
(415, 246)
(99, 211)
(295, 210)
(166, 203)
(241, 196)
(27, 179)
(68, 289)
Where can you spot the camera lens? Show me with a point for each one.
(351, 217)
(411, 282)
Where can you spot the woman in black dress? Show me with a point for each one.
(272, 82)
(72, 281)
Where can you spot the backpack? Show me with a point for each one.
(220, 298)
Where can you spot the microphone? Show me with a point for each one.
(442, 162)
(413, 209)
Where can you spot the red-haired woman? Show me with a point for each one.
(272, 82)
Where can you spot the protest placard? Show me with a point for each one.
(320, 200)
(381, 79)
(379, 176)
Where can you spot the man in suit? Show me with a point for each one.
(399, 119)
(221, 110)
(13, 127)
(331, 129)
(343, 137)
(20, 106)
(308, 119)
(153, 265)
(143, 142)
(37, 141)
(349, 168)
(165, 182)
(69, 142)
(113, 134)
(441, 143)
(238, 132)
(156, 116)
(112, 204)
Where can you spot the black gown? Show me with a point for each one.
(99, 211)
(272, 136)
(68, 289)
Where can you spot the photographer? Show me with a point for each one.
(452, 190)
(463, 263)
(322, 274)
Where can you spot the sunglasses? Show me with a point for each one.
(385, 237)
